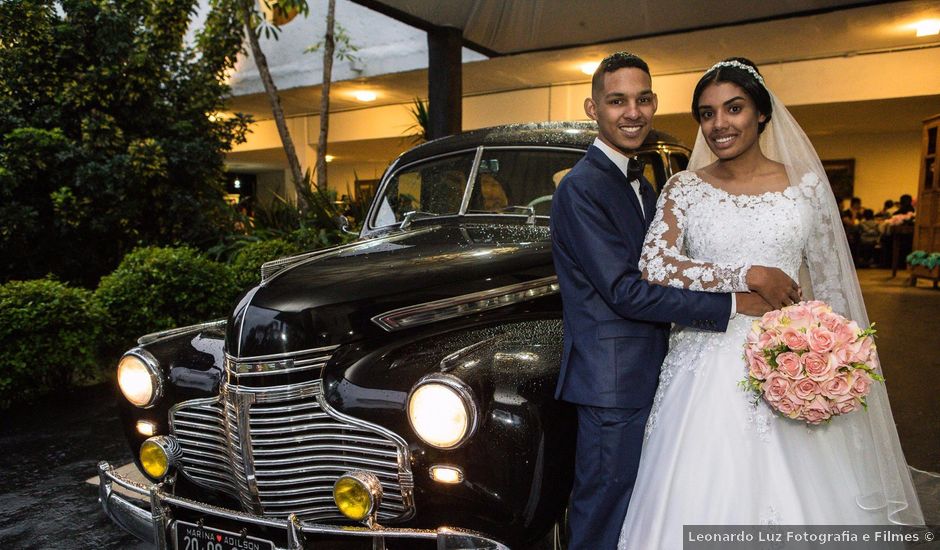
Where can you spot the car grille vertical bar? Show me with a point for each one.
(280, 449)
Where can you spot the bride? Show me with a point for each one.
(755, 193)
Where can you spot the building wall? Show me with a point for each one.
(886, 165)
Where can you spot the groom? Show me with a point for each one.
(616, 324)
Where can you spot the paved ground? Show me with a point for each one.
(49, 449)
(908, 323)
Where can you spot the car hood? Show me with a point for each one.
(330, 298)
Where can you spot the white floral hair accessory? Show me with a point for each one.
(738, 65)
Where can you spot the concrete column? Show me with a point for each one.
(444, 81)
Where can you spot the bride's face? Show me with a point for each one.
(729, 119)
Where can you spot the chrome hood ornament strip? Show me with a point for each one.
(465, 304)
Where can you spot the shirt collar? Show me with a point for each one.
(620, 160)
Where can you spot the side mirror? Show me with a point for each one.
(342, 223)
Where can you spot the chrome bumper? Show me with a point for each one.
(153, 525)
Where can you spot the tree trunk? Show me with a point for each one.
(262, 63)
(328, 46)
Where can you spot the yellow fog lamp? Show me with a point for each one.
(358, 495)
(159, 454)
(441, 410)
(139, 378)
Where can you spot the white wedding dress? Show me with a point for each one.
(711, 455)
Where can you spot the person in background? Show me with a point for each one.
(885, 212)
(851, 216)
(869, 234)
(854, 212)
(905, 205)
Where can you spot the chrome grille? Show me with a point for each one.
(280, 449)
(200, 428)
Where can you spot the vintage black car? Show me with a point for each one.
(397, 389)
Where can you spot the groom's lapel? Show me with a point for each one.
(606, 165)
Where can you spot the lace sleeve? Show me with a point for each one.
(663, 260)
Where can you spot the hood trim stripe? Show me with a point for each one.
(465, 304)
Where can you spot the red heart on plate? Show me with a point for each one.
(218, 538)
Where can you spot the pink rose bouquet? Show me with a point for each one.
(809, 363)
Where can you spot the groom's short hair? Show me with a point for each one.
(615, 62)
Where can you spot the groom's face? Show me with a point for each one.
(623, 109)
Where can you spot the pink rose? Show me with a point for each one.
(831, 321)
(817, 410)
(790, 405)
(801, 316)
(757, 364)
(771, 319)
(836, 387)
(864, 350)
(775, 387)
(807, 388)
(844, 354)
(818, 308)
(861, 385)
(769, 339)
(788, 363)
(845, 334)
(794, 339)
(844, 404)
(821, 340)
(818, 366)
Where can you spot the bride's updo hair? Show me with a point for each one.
(737, 70)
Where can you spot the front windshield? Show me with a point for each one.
(432, 188)
(519, 181)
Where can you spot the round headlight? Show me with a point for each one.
(441, 411)
(138, 380)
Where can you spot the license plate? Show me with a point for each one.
(190, 536)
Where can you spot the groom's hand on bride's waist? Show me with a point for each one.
(773, 285)
(751, 303)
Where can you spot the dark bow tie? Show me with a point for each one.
(634, 169)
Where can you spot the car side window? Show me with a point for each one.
(677, 162)
(653, 170)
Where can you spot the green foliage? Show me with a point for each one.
(315, 227)
(920, 257)
(419, 130)
(247, 263)
(344, 50)
(313, 238)
(106, 136)
(282, 11)
(49, 334)
(159, 288)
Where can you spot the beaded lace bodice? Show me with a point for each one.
(704, 238)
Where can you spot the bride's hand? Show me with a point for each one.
(773, 285)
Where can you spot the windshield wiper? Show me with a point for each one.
(413, 214)
(530, 210)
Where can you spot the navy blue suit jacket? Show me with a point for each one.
(616, 324)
